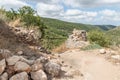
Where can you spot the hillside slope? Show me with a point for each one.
(115, 35)
(66, 27)
(115, 31)
(58, 30)
(106, 27)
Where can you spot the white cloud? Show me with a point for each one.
(110, 15)
(15, 4)
(71, 10)
(45, 1)
(89, 3)
(75, 14)
(49, 10)
(111, 1)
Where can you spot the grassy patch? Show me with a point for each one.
(91, 47)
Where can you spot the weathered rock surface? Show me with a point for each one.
(4, 76)
(2, 66)
(36, 67)
(77, 39)
(10, 70)
(20, 76)
(39, 75)
(102, 51)
(52, 68)
(21, 57)
(25, 35)
(22, 66)
(12, 60)
(5, 53)
(41, 60)
(20, 52)
(117, 57)
(30, 62)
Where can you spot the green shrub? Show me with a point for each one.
(91, 47)
(99, 37)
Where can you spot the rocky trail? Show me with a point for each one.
(91, 65)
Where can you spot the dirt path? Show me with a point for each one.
(92, 66)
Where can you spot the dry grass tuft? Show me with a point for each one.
(15, 23)
(3, 16)
(62, 48)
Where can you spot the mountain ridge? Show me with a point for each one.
(103, 27)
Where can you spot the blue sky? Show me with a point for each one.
(79, 11)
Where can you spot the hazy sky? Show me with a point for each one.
(80, 11)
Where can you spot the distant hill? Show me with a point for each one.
(106, 27)
(57, 31)
(66, 27)
(63, 25)
(115, 35)
(115, 31)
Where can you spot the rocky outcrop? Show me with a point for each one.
(25, 35)
(17, 67)
(21, 58)
(77, 39)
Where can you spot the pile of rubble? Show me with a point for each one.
(18, 67)
(77, 39)
(25, 35)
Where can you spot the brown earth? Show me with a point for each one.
(92, 65)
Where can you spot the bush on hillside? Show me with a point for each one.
(99, 37)
(91, 47)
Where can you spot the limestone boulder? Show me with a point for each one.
(20, 76)
(102, 51)
(36, 67)
(4, 76)
(41, 60)
(22, 66)
(2, 66)
(53, 69)
(12, 60)
(38, 75)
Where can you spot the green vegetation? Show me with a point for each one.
(62, 29)
(99, 37)
(27, 16)
(91, 47)
(115, 35)
(55, 32)
(106, 27)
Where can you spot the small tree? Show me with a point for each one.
(12, 14)
(26, 10)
